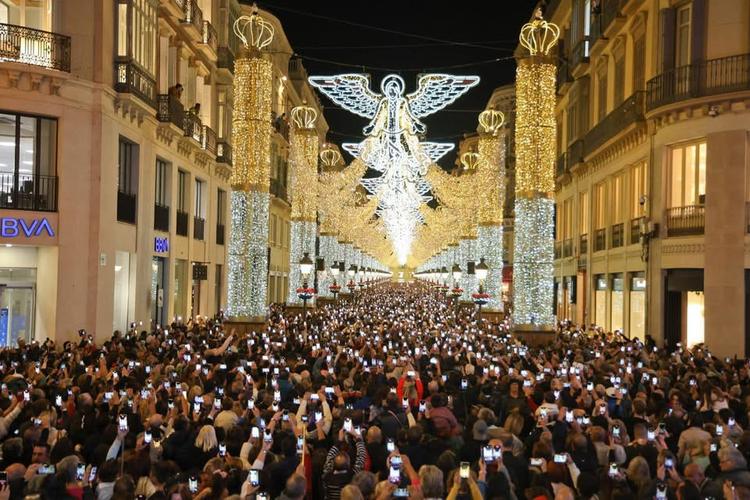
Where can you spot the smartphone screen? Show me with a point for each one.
(464, 470)
(394, 473)
(80, 471)
(193, 484)
(487, 454)
(253, 478)
(92, 474)
(268, 436)
(255, 432)
(613, 469)
(390, 446)
(347, 425)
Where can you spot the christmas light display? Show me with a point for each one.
(392, 146)
(491, 176)
(535, 163)
(251, 139)
(303, 158)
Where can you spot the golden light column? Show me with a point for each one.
(491, 182)
(535, 183)
(303, 157)
(251, 140)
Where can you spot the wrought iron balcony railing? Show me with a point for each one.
(225, 59)
(199, 225)
(635, 230)
(580, 53)
(278, 190)
(567, 248)
(627, 113)
(711, 77)
(127, 204)
(36, 47)
(208, 139)
(224, 152)
(617, 235)
(561, 165)
(130, 79)
(558, 249)
(600, 240)
(219, 234)
(583, 244)
(193, 14)
(28, 192)
(161, 217)
(210, 37)
(684, 221)
(182, 223)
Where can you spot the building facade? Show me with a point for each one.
(652, 170)
(115, 159)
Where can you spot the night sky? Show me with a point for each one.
(329, 35)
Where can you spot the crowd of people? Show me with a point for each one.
(390, 393)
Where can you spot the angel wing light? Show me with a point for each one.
(392, 145)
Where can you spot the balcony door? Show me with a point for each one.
(35, 14)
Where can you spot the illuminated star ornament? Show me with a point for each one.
(392, 145)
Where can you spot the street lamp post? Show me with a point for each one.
(351, 272)
(456, 272)
(481, 270)
(305, 267)
(444, 277)
(335, 287)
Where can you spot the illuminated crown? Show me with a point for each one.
(329, 156)
(539, 36)
(304, 116)
(469, 160)
(490, 121)
(253, 31)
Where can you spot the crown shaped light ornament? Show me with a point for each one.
(470, 160)
(539, 36)
(304, 116)
(253, 31)
(490, 121)
(329, 156)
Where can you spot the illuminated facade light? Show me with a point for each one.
(251, 138)
(535, 184)
(392, 146)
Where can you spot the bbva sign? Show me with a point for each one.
(14, 227)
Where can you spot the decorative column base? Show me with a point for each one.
(245, 325)
(535, 335)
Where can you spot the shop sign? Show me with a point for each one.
(161, 245)
(15, 227)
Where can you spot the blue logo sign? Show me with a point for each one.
(161, 245)
(13, 227)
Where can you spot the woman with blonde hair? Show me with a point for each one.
(514, 423)
(205, 446)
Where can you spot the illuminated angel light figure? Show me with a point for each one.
(392, 146)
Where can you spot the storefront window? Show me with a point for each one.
(617, 309)
(17, 305)
(695, 318)
(600, 300)
(120, 318)
(637, 327)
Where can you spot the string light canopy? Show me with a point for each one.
(392, 146)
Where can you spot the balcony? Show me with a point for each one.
(600, 240)
(635, 230)
(130, 79)
(567, 247)
(560, 165)
(563, 75)
(616, 235)
(182, 223)
(209, 39)
(170, 110)
(281, 126)
(219, 234)
(706, 78)
(199, 225)
(583, 244)
(208, 139)
(28, 192)
(610, 11)
(629, 112)
(575, 154)
(225, 59)
(126, 207)
(161, 217)
(685, 221)
(558, 249)
(224, 152)
(35, 47)
(193, 16)
(278, 190)
(580, 53)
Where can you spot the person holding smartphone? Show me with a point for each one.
(338, 470)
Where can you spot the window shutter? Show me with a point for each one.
(698, 31)
(667, 17)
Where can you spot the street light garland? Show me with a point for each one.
(251, 139)
(535, 159)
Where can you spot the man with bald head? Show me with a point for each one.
(376, 450)
(694, 474)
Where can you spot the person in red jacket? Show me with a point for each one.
(410, 386)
